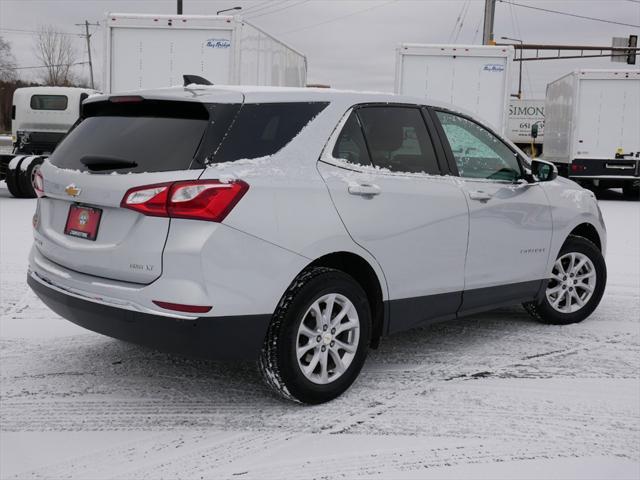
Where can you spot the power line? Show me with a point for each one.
(47, 66)
(278, 9)
(518, 33)
(453, 30)
(570, 14)
(265, 8)
(477, 30)
(464, 16)
(357, 12)
(32, 32)
(255, 7)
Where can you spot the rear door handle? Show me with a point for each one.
(480, 196)
(364, 189)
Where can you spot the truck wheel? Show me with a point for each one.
(318, 338)
(577, 282)
(13, 176)
(27, 171)
(631, 190)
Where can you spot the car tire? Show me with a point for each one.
(25, 177)
(579, 278)
(13, 177)
(315, 376)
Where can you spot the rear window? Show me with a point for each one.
(158, 136)
(261, 129)
(49, 102)
(139, 137)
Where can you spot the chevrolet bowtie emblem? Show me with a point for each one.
(72, 190)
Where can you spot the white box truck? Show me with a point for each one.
(476, 78)
(153, 51)
(523, 115)
(592, 128)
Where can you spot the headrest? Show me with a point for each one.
(383, 135)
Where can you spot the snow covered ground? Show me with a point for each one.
(491, 396)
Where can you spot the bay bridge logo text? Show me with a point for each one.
(493, 67)
(218, 43)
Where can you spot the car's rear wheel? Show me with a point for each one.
(576, 286)
(318, 338)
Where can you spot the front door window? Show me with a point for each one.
(478, 152)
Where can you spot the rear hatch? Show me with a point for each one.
(122, 143)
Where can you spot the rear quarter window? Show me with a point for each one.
(262, 129)
(49, 102)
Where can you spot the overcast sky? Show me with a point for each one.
(351, 43)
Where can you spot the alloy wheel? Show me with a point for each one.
(327, 339)
(572, 283)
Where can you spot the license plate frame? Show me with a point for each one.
(83, 222)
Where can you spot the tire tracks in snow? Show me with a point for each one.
(166, 455)
(391, 400)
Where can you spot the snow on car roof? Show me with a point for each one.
(258, 94)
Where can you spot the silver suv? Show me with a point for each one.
(299, 226)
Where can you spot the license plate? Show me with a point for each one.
(83, 222)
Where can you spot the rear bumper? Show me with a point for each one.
(220, 338)
(618, 170)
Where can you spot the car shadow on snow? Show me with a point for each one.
(118, 368)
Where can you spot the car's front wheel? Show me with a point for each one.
(576, 286)
(318, 338)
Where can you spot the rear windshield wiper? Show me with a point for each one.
(100, 163)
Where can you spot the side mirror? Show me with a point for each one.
(543, 171)
(534, 130)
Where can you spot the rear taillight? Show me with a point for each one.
(210, 200)
(204, 200)
(150, 200)
(38, 183)
(575, 167)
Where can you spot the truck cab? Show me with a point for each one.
(41, 116)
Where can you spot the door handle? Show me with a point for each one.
(480, 196)
(364, 189)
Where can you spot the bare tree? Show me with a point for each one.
(57, 54)
(7, 62)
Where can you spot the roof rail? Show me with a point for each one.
(191, 79)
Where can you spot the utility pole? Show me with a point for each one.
(489, 16)
(179, 7)
(87, 35)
